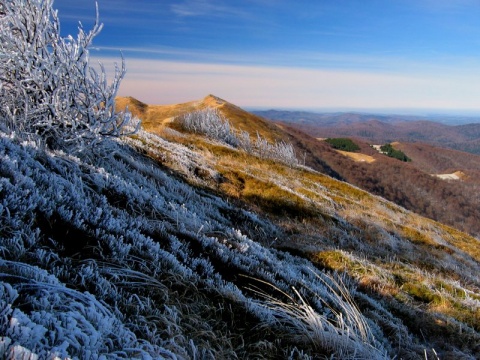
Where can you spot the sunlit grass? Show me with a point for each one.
(393, 254)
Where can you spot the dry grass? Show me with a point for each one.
(154, 117)
(357, 156)
(457, 175)
(406, 260)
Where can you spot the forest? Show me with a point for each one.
(344, 144)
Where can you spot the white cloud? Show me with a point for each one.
(190, 8)
(163, 82)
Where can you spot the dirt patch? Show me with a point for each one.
(457, 175)
(357, 156)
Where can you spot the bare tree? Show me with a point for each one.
(47, 87)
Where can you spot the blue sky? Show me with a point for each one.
(389, 55)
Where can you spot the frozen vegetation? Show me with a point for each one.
(48, 86)
(102, 258)
(106, 253)
(212, 123)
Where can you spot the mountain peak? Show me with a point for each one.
(155, 116)
(212, 98)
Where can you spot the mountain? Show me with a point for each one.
(170, 244)
(419, 185)
(155, 116)
(383, 128)
(307, 117)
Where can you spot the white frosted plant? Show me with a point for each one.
(281, 151)
(48, 89)
(213, 124)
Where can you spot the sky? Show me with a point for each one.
(397, 56)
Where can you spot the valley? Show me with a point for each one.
(463, 135)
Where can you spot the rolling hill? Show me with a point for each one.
(412, 185)
(172, 244)
(383, 128)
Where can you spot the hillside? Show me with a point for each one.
(283, 196)
(181, 246)
(378, 129)
(155, 116)
(411, 185)
(200, 235)
(436, 160)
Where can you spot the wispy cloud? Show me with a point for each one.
(446, 5)
(162, 82)
(194, 8)
(385, 62)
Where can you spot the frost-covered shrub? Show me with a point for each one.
(212, 123)
(47, 86)
(209, 122)
(281, 151)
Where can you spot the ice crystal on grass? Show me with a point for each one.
(140, 235)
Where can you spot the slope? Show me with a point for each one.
(115, 256)
(181, 246)
(435, 160)
(401, 260)
(154, 116)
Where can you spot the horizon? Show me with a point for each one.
(413, 57)
(421, 113)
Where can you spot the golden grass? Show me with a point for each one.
(358, 157)
(462, 241)
(154, 117)
(303, 201)
(434, 296)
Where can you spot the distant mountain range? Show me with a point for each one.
(314, 117)
(378, 129)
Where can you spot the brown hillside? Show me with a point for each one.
(432, 159)
(411, 185)
(154, 117)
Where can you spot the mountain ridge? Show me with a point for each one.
(239, 118)
(403, 187)
(383, 128)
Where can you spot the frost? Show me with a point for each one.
(104, 254)
(213, 124)
(48, 89)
